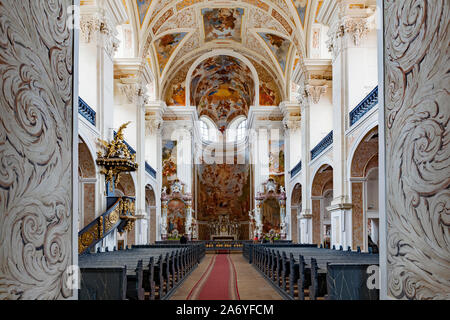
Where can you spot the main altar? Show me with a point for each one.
(223, 228)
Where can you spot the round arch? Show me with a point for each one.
(317, 166)
(322, 181)
(356, 144)
(86, 137)
(363, 160)
(86, 184)
(221, 52)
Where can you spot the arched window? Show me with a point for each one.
(237, 130)
(204, 130)
(241, 131)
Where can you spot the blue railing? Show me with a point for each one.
(296, 169)
(86, 111)
(325, 143)
(150, 170)
(364, 106)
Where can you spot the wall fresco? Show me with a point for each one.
(276, 161)
(176, 217)
(271, 216)
(223, 189)
(169, 162)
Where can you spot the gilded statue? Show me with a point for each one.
(116, 157)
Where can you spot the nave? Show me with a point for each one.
(136, 135)
(239, 281)
(247, 271)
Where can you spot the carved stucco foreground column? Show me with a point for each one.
(416, 253)
(37, 207)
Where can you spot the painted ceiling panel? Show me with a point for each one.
(279, 47)
(222, 23)
(301, 6)
(143, 6)
(165, 46)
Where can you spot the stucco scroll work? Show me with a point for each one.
(417, 79)
(36, 121)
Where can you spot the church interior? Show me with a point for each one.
(202, 149)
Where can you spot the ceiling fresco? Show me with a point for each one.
(182, 30)
(301, 6)
(269, 90)
(143, 6)
(222, 23)
(165, 46)
(279, 46)
(269, 93)
(222, 88)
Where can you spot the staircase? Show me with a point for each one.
(120, 216)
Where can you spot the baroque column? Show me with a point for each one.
(98, 44)
(351, 50)
(38, 151)
(414, 221)
(154, 111)
(134, 75)
(291, 122)
(305, 217)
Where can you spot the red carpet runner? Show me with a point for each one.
(218, 282)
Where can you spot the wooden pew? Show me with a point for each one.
(159, 273)
(108, 283)
(319, 271)
(348, 281)
(304, 267)
(309, 269)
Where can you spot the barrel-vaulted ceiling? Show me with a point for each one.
(268, 36)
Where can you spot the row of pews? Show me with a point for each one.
(298, 271)
(148, 272)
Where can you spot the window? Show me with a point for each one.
(237, 130)
(241, 130)
(204, 130)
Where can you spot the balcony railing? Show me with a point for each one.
(86, 111)
(325, 143)
(364, 106)
(148, 168)
(296, 169)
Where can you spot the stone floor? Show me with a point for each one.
(251, 285)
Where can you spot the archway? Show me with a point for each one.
(364, 191)
(150, 208)
(296, 208)
(321, 195)
(86, 185)
(325, 216)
